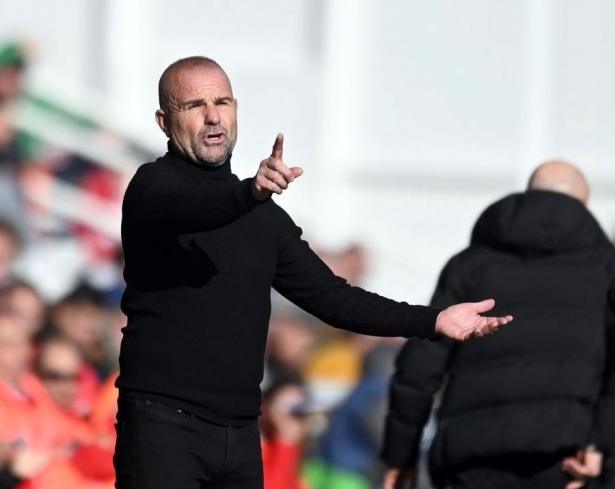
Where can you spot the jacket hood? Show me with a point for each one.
(536, 223)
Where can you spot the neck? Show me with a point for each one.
(216, 172)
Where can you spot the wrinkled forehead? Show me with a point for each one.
(200, 82)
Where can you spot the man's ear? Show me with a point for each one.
(161, 120)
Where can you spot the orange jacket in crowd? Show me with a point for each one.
(29, 416)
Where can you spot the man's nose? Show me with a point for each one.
(212, 115)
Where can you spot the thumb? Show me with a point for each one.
(278, 147)
(484, 306)
(573, 466)
(297, 171)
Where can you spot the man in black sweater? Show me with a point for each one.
(202, 251)
(534, 405)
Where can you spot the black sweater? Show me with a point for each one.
(546, 383)
(201, 257)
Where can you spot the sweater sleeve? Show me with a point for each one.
(603, 433)
(304, 279)
(157, 198)
(419, 372)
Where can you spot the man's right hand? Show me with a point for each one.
(273, 176)
(398, 478)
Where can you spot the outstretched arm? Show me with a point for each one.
(303, 278)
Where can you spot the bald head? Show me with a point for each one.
(171, 77)
(562, 177)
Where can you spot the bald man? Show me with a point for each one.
(203, 249)
(534, 405)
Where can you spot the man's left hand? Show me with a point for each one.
(463, 322)
(586, 465)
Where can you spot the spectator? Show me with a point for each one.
(290, 342)
(31, 420)
(12, 153)
(80, 317)
(26, 306)
(520, 406)
(10, 244)
(347, 456)
(58, 365)
(283, 431)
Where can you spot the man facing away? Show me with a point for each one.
(202, 251)
(533, 406)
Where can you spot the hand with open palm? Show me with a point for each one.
(463, 322)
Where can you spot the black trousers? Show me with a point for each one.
(515, 472)
(160, 447)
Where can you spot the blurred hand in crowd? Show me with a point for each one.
(27, 463)
(586, 465)
(399, 478)
(23, 462)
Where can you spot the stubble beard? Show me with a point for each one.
(220, 154)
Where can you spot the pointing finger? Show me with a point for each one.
(282, 169)
(278, 147)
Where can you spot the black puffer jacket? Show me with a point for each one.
(543, 384)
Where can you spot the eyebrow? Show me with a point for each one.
(201, 101)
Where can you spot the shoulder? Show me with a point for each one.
(275, 218)
(471, 259)
(152, 175)
(158, 169)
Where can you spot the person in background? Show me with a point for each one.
(290, 342)
(58, 365)
(30, 419)
(347, 455)
(534, 406)
(10, 246)
(12, 153)
(283, 430)
(79, 318)
(27, 306)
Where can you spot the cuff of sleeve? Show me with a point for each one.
(247, 196)
(425, 326)
(401, 445)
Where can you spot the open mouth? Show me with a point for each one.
(214, 138)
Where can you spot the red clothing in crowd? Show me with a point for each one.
(281, 465)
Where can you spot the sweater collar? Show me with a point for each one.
(221, 172)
